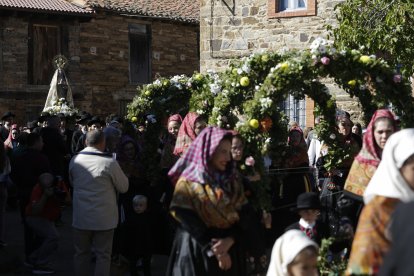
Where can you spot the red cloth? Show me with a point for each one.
(186, 133)
(369, 152)
(52, 209)
(175, 118)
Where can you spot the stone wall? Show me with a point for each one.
(15, 93)
(225, 35)
(106, 73)
(99, 79)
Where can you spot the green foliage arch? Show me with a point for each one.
(247, 96)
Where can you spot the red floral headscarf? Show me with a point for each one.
(369, 152)
(186, 134)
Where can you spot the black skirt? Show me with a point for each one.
(189, 258)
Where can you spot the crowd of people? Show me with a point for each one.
(200, 211)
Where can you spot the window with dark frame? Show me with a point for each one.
(291, 5)
(295, 110)
(45, 42)
(291, 8)
(139, 53)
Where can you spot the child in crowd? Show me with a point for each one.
(294, 254)
(137, 236)
(308, 207)
(41, 212)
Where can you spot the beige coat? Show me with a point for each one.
(96, 180)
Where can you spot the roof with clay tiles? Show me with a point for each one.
(177, 10)
(47, 6)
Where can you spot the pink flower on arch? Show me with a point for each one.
(325, 60)
(397, 78)
(249, 161)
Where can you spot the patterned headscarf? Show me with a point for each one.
(387, 180)
(186, 134)
(175, 118)
(369, 152)
(193, 165)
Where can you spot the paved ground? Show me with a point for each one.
(63, 261)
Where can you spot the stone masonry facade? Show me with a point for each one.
(98, 53)
(233, 29)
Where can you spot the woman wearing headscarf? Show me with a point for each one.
(168, 159)
(12, 140)
(380, 128)
(297, 154)
(207, 204)
(392, 183)
(191, 126)
(294, 254)
(164, 226)
(128, 157)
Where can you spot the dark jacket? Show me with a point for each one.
(54, 148)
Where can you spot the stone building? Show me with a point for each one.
(112, 47)
(232, 29)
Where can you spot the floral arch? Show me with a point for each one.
(246, 96)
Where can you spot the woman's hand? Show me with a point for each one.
(224, 261)
(221, 246)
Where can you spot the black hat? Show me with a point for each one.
(84, 118)
(94, 120)
(6, 115)
(307, 201)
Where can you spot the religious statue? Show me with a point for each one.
(60, 92)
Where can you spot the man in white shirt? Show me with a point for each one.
(96, 179)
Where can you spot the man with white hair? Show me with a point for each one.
(96, 178)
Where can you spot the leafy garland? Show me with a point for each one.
(160, 99)
(329, 265)
(247, 95)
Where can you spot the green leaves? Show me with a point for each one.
(384, 27)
